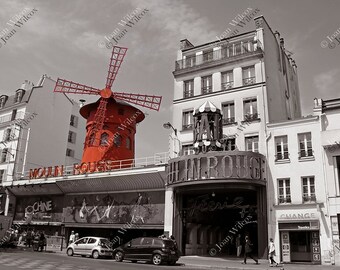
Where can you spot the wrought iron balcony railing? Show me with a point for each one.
(227, 85)
(306, 198)
(251, 117)
(286, 199)
(187, 126)
(228, 121)
(249, 81)
(206, 90)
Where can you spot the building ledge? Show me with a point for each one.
(310, 158)
(282, 161)
(310, 205)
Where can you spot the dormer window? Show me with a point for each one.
(3, 100)
(19, 94)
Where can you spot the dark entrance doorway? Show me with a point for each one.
(213, 220)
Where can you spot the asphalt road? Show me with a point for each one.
(10, 260)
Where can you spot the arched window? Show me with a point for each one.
(104, 139)
(117, 141)
(128, 143)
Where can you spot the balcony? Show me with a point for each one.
(228, 121)
(227, 85)
(249, 81)
(306, 198)
(8, 118)
(251, 117)
(206, 90)
(213, 58)
(187, 126)
(286, 199)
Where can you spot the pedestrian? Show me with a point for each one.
(174, 240)
(72, 238)
(29, 238)
(42, 241)
(76, 237)
(248, 250)
(238, 245)
(272, 253)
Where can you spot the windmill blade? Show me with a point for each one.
(118, 54)
(151, 102)
(98, 121)
(65, 86)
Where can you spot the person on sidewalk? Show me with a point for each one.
(248, 250)
(72, 238)
(271, 248)
(238, 245)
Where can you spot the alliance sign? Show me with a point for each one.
(231, 165)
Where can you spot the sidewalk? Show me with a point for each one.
(200, 262)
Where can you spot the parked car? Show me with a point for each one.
(91, 246)
(153, 249)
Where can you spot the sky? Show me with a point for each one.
(63, 38)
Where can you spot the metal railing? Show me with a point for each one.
(227, 85)
(286, 199)
(187, 127)
(228, 121)
(116, 165)
(306, 198)
(249, 81)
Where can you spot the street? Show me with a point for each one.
(45, 261)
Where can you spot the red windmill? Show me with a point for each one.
(111, 122)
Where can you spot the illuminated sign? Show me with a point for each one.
(221, 165)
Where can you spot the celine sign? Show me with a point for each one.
(221, 165)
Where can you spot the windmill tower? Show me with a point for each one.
(111, 121)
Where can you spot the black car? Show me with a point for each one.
(153, 249)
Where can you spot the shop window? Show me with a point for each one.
(104, 139)
(281, 146)
(71, 137)
(248, 75)
(128, 143)
(69, 152)
(188, 150)
(250, 109)
(284, 191)
(73, 121)
(188, 89)
(305, 145)
(252, 143)
(227, 80)
(206, 85)
(308, 189)
(188, 120)
(228, 110)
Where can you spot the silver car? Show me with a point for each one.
(90, 246)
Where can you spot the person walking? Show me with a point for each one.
(248, 250)
(29, 237)
(271, 248)
(238, 245)
(72, 238)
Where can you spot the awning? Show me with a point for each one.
(21, 222)
(306, 225)
(115, 226)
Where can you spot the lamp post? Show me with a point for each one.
(175, 146)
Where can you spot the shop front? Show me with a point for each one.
(217, 197)
(300, 237)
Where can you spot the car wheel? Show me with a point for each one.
(95, 254)
(70, 252)
(119, 256)
(157, 259)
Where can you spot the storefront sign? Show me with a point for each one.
(217, 165)
(299, 226)
(298, 216)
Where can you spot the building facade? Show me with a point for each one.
(252, 81)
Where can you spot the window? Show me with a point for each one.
(206, 85)
(82, 241)
(3, 100)
(71, 137)
(104, 139)
(248, 75)
(252, 143)
(188, 150)
(308, 189)
(92, 138)
(281, 146)
(136, 242)
(157, 242)
(128, 143)
(18, 96)
(284, 191)
(188, 89)
(247, 46)
(305, 144)
(92, 241)
(2, 176)
(231, 144)
(337, 169)
(227, 51)
(237, 48)
(14, 115)
(208, 55)
(69, 152)
(188, 120)
(7, 135)
(228, 110)
(190, 60)
(227, 80)
(4, 155)
(74, 121)
(117, 140)
(250, 109)
(147, 242)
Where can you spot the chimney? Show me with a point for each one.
(318, 104)
(41, 81)
(26, 85)
(186, 44)
(282, 42)
(277, 36)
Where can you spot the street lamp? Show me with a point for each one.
(168, 126)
